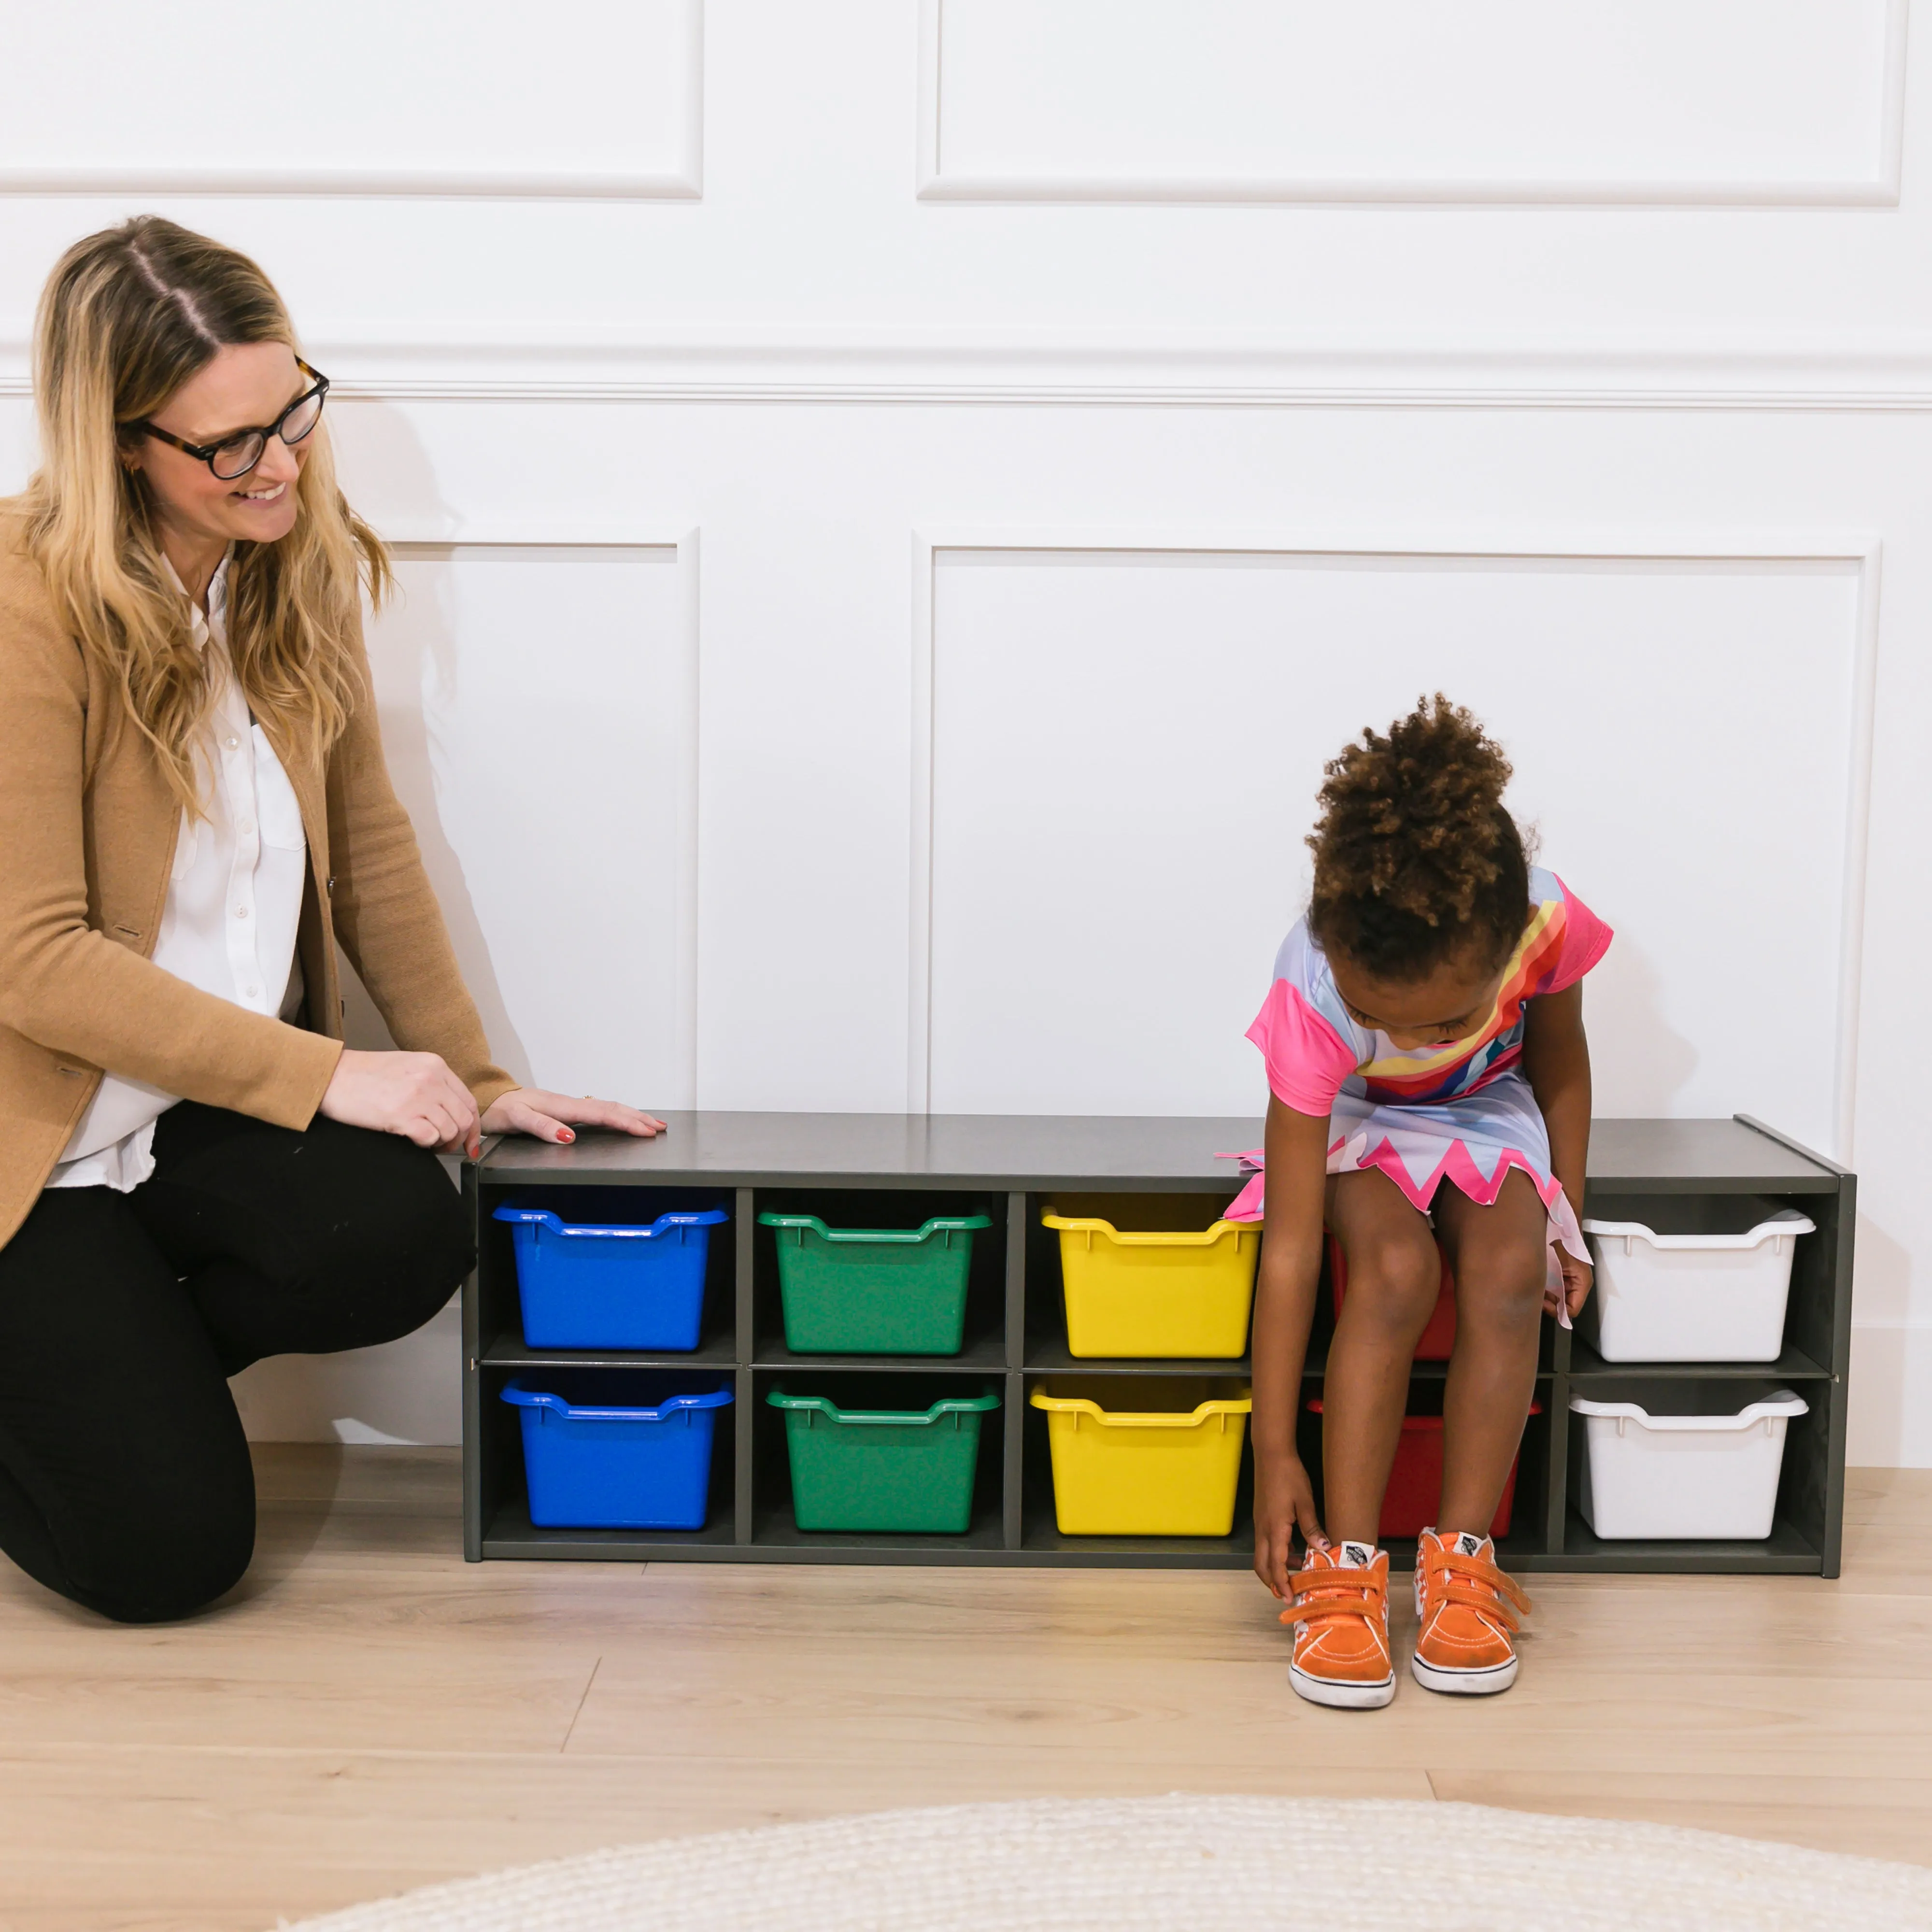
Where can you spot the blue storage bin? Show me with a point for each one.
(611, 1285)
(616, 1449)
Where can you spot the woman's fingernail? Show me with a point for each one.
(566, 1134)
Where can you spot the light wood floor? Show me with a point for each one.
(370, 1713)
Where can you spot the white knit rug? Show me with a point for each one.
(1180, 1863)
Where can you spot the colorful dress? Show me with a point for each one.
(1463, 1112)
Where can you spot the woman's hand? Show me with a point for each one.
(551, 1117)
(1284, 1500)
(1577, 1277)
(413, 1094)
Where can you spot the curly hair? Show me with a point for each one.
(1416, 861)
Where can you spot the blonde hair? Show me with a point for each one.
(127, 317)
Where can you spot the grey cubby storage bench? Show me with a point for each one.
(853, 1167)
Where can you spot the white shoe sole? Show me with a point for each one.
(1343, 1696)
(1464, 1683)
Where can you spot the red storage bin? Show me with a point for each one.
(1438, 1338)
(1414, 1491)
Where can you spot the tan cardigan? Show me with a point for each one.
(88, 828)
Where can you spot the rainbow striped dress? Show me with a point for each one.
(1462, 1113)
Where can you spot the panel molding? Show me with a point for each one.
(685, 182)
(1740, 369)
(1862, 551)
(423, 537)
(1881, 189)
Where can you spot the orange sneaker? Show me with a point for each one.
(1340, 1617)
(1463, 1646)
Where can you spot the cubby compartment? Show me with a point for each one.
(1690, 1277)
(609, 1274)
(1145, 1456)
(1133, 1301)
(606, 1484)
(1680, 1459)
(617, 1448)
(1042, 1534)
(874, 1290)
(622, 1281)
(837, 1473)
(1412, 1502)
(900, 1300)
(1144, 1275)
(1416, 1483)
(874, 1468)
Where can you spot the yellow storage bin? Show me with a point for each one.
(1166, 1467)
(1156, 1275)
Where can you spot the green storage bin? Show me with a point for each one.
(883, 1469)
(874, 1291)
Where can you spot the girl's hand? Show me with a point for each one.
(413, 1094)
(1577, 1277)
(1284, 1500)
(550, 1117)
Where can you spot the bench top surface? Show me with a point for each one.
(1034, 1151)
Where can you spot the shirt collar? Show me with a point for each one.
(215, 623)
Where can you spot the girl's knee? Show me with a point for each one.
(1501, 1286)
(1397, 1278)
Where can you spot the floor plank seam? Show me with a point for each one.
(580, 1702)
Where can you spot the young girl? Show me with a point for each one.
(1425, 1026)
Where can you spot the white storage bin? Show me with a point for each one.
(1692, 1278)
(1696, 1459)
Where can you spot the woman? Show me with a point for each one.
(194, 813)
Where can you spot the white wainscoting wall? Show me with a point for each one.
(895, 501)
(1702, 102)
(1112, 728)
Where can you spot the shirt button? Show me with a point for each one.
(247, 828)
(240, 912)
(233, 742)
(254, 992)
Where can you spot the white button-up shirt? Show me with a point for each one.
(234, 902)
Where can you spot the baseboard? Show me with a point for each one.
(1891, 1398)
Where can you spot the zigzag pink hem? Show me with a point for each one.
(1457, 1167)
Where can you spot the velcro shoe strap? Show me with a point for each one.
(1321, 1594)
(1454, 1567)
(1481, 1601)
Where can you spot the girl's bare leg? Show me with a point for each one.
(1394, 1277)
(1498, 1254)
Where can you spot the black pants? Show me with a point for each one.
(124, 1477)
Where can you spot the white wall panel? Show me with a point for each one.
(212, 96)
(537, 713)
(1126, 747)
(1649, 100)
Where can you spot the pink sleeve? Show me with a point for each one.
(1307, 1060)
(1585, 940)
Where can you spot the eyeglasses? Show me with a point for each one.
(236, 455)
